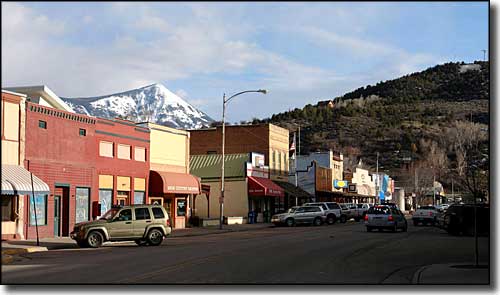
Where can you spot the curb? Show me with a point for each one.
(17, 251)
(7, 259)
(416, 276)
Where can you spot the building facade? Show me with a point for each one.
(170, 183)
(122, 162)
(270, 140)
(60, 149)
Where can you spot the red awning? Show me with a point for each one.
(258, 186)
(161, 182)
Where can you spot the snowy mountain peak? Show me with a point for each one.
(154, 103)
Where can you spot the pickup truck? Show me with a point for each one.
(425, 215)
(357, 211)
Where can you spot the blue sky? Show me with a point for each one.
(300, 52)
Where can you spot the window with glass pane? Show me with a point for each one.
(124, 151)
(106, 149)
(7, 212)
(142, 214)
(138, 198)
(82, 204)
(105, 198)
(38, 204)
(140, 154)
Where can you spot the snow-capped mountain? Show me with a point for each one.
(153, 103)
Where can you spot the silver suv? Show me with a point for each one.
(299, 215)
(332, 210)
(144, 224)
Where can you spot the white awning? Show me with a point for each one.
(7, 188)
(18, 182)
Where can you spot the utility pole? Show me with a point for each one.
(378, 182)
(484, 54)
(433, 187)
(452, 192)
(296, 168)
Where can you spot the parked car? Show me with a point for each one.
(425, 215)
(442, 207)
(144, 224)
(384, 217)
(392, 205)
(459, 219)
(358, 211)
(300, 215)
(332, 210)
(345, 211)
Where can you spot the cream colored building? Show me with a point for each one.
(364, 184)
(208, 168)
(170, 183)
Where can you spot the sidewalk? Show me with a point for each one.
(453, 273)
(16, 247)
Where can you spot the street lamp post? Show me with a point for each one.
(224, 102)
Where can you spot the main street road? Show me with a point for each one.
(338, 254)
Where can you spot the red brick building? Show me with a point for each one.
(122, 162)
(60, 150)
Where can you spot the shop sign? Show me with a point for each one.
(340, 183)
(352, 188)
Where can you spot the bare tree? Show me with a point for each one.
(470, 144)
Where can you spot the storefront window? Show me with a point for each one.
(82, 204)
(7, 209)
(138, 198)
(40, 205)
(105, 198)
(181, 207)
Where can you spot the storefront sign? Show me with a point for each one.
(182, 188)
(257, 159)
(262, 172)
(352, 188)
(340, 183)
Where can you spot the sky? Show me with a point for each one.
(300, 52)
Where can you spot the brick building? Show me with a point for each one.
(270, 140)
(122, 162)
(60, 149)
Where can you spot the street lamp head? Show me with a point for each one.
(263, 91)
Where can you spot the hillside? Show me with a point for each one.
(402, 119)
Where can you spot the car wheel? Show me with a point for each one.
(155, 237)
(141, 242)
(317, 221)
(95, 239)
(82, 243)
(368, 229)
(343, 219)
(290, 222)
(331, 219)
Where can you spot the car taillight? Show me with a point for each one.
(366, 217)
(168, 222)
(430, 213)
(390, 218)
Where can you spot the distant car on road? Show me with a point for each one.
(144, 224)
(384, 217)
(300, 215)
(425, 215)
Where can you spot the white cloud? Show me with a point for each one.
(148, 46)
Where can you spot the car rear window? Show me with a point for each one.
(379, 210)
(428, 208)
(158, 213)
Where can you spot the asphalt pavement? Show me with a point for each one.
(337, 254)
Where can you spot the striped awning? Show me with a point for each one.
(17, 181)
(7, 188)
